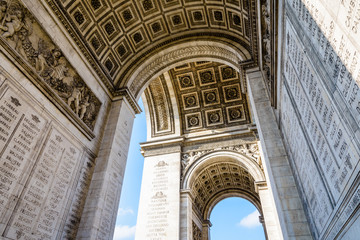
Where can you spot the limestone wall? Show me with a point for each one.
(51, 125)
(45, 169)
(320, 109)
(159, 206)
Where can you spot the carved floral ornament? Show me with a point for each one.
(250, 150)
(20, 31)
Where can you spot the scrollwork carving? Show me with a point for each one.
(21, 31)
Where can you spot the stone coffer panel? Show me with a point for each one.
(320, 109)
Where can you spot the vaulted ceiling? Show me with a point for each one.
(131, 42)
(219, 178)
(207, 96)
(116, 35)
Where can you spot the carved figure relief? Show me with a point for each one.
(21, 31)
(266, 40)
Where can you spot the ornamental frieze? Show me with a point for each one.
(250, 150)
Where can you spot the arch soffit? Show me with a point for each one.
(197, 50)
(222, 156)
(162, 90)
(116, 35)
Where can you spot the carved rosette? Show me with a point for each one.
(21, 33)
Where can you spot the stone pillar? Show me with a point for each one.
(269, 216)
(185, 215)
(288, 204)
(262, 221)
(159, 206)
(206, 230)
(99, 216)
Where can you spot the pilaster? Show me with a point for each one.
(206, 230)
(269, 215)
(99, 217)
(185, 215)
(276, 163)
(159, 206)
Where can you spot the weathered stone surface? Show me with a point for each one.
(68, 73)
(159, 207)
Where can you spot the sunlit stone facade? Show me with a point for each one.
(254, 99)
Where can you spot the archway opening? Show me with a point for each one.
(236, 218)
(193, 99)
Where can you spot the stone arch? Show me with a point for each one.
(191, 51)
(215, 157)
(228, 58)
(221, 174)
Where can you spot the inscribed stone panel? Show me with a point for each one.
(332, 28)
(329, 136)
(306, 171)
(41, 207)
(21, 129)
(320, 79)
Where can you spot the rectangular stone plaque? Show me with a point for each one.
(333, 28)
(158, 217)
(41, 206)
(21, 128)
(320, 139)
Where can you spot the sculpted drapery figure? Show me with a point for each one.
(19, 29)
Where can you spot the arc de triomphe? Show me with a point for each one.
(253, 99)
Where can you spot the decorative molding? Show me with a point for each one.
(250, 150)
(197, 235)
(125, 93)
(161, 62)
(268, 41)
(160, 108)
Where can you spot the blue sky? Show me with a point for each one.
(235, 217)
(231, 218)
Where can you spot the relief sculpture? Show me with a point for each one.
(266, 40)
(21, 31)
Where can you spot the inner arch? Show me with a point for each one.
(194, 51)
(200, 126)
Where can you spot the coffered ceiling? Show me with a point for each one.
(218, 178)
(115, 35)
(208, 96)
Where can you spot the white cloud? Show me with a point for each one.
(124, 232)
(251, 220)
(122, 211)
